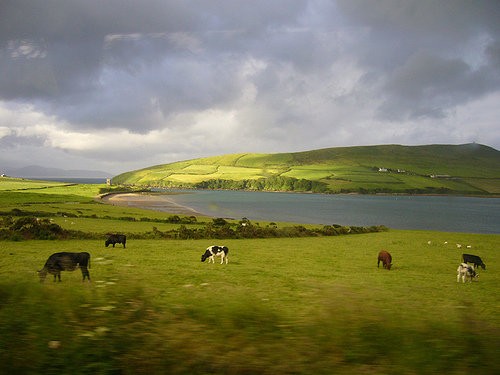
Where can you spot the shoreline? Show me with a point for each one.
(148, 201)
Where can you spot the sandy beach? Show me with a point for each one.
(156, 202)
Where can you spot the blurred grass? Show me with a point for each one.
(303, 306)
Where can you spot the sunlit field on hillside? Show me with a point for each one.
(463, 169)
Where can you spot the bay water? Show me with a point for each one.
(440, 213)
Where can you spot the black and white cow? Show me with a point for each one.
(116, 238)
(215, 251)
(474, 259)
(58, 262)
(465, 271)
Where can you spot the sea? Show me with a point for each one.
(440, 213)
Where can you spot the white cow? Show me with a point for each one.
(213, 251)
(465, 271)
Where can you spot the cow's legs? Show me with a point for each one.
(85, 273)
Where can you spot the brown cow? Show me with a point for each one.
(385, 258)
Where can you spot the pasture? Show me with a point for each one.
(287, 305)
(315, 305)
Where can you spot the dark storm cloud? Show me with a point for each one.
(431, 56)
(428, 85)
(177, 78)
(77, 53)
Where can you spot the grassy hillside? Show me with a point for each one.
(448, 169)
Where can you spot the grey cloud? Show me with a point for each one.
(493, 56)
(450, 19)
(296, 74)
(84, 41)
(428, 85)
(427, 55)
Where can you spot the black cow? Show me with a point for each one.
(116, 238)
(213, 251)
(474, 259)
(65, 262)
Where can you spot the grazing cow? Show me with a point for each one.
(65, 262)
(474, 259)
(465, 271)
(214, 251)
(385, 258)
(116, 238)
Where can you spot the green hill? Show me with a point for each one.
(439, 169)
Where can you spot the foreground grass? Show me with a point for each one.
(306, 305)
(288, 305)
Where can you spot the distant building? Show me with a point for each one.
(440, 176)
(382, 169)
(108, 181)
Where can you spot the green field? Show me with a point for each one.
(437, 169)
(313, 305)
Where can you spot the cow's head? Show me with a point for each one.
(483, 266)
(389, 266)
(42, 274)
(107, 243)
(204, 257)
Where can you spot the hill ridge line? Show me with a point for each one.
(423, 169)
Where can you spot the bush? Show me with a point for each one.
(29, 227)
(273, 183)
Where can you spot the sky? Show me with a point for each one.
(120, 85)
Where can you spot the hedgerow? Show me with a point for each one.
(30, 228)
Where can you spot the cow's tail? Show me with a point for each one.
(89, 261)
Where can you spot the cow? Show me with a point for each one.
(213, 251)
(116, 238)
(64, 261)
(465, 271)
(474, 259)
(385, 258)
